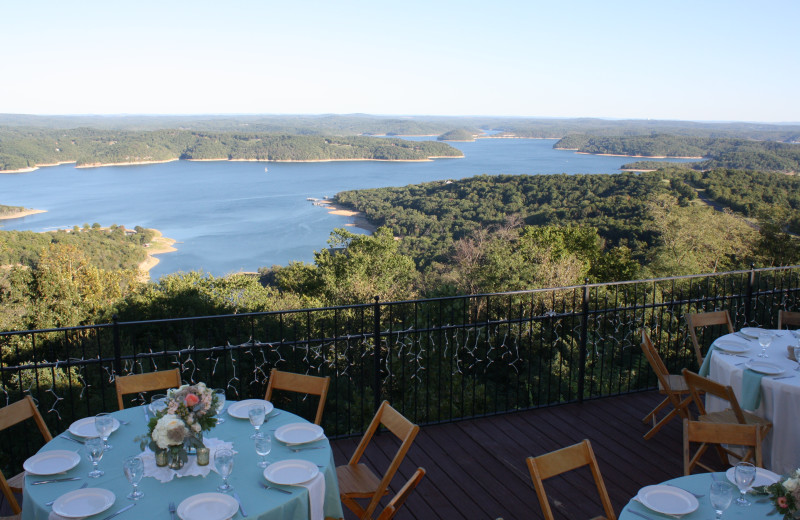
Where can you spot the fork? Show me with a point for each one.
(85, 484)
(296, 450)
(172, 510)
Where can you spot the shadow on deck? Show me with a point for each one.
(477, 470)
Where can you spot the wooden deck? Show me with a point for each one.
(476, 469)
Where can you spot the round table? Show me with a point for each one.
(259, 503)
(780, 398)
(700, 484)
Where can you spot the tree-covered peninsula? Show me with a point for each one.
(28, 148)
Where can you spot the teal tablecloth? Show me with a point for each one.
(700, 484)
(259, 503)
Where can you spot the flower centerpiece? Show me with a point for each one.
(190, 410)
(784, 494)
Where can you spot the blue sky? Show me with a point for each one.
(683, 59)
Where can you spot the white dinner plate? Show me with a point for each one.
(763, 367)
(208, 506)
(83, 502)
(239, 409)
(291, 472)
(299, 433)
(752, 332)
(52, 462)
(668, 500)
(85, 427)
(733, 347)
(764, 477)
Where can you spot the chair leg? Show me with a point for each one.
(652, 414)
(680, 410)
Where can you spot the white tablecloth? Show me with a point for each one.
(780, 398)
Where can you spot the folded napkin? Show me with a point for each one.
(55, 516)
(751, 389)
(706, 366)
(316, 496)
(165, 474)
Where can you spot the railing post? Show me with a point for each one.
(117, 346)
(377, 353)
(584, 340)
(748, 303)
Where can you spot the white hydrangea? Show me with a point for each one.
(791, 484)
(169, 431)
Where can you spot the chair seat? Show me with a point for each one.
(676, 383)
(728, 416)
(17, 482)
(357, 481)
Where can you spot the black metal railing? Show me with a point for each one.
(436, 360)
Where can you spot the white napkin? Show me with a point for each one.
(165, 474)
(55, 516)
(316, 496)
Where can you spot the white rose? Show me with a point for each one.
(791, 484)
(168, 424)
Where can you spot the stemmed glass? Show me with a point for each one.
(220, 392)
(94, 452)
(721, 494)
(257, 414)
(104, 424)
(263, 447)
(223, 460)
(158, 402)
(796, 350)
(744, 474)
(764, 339)
(133, 468)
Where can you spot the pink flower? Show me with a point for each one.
(782, 502)
(192, 400)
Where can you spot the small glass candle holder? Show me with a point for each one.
(161, 458)
(203, 455)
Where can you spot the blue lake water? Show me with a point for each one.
(234, 216)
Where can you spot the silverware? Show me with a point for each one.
(85, 484)
(241, 507)
(308, 448)
(275, 489)
(48, 481)
(70, 439)
(112, 515)
(172, 510)
(784, 377)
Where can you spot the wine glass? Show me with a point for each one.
(158, 402)
(220, 392)
(744, 474)
(133, 468)
(764, 339)
(223, 460)
(257, 414)
(721, 495)
(263, 447)
(94, 452)
(796, 350)
(104, 424)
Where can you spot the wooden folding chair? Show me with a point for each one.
(673, 386)
(148, 382)
(302, 384)
(788, 318)
(357, 481)
(13, 414)
(10, 498)
(399, 499)
(718, 434)
(733, 415)
(704, 319)
(563, 460)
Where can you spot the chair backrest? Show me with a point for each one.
(704, 319)
(399, 499)
(9, 495)
(788, 318)
(403, 429)
(718, 433)
(561, 461)
(698, 385)
(302, 384)
(660, 369)
(146, 383)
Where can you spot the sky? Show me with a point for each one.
(700, 60)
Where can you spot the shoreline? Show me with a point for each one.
(158, 246)
(23, 213)
(633, 156)
(359, 220)
(135, 163)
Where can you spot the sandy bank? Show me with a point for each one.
(359, 220)
(159, 245)
(134, 163)
(635, 156)
(23, 213)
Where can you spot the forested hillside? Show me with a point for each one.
(32, 147)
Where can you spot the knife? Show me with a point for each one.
(275, 489)
(241, 507)
(70, 439)
(55, 480)
(112, 515)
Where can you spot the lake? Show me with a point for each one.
(233, 216)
